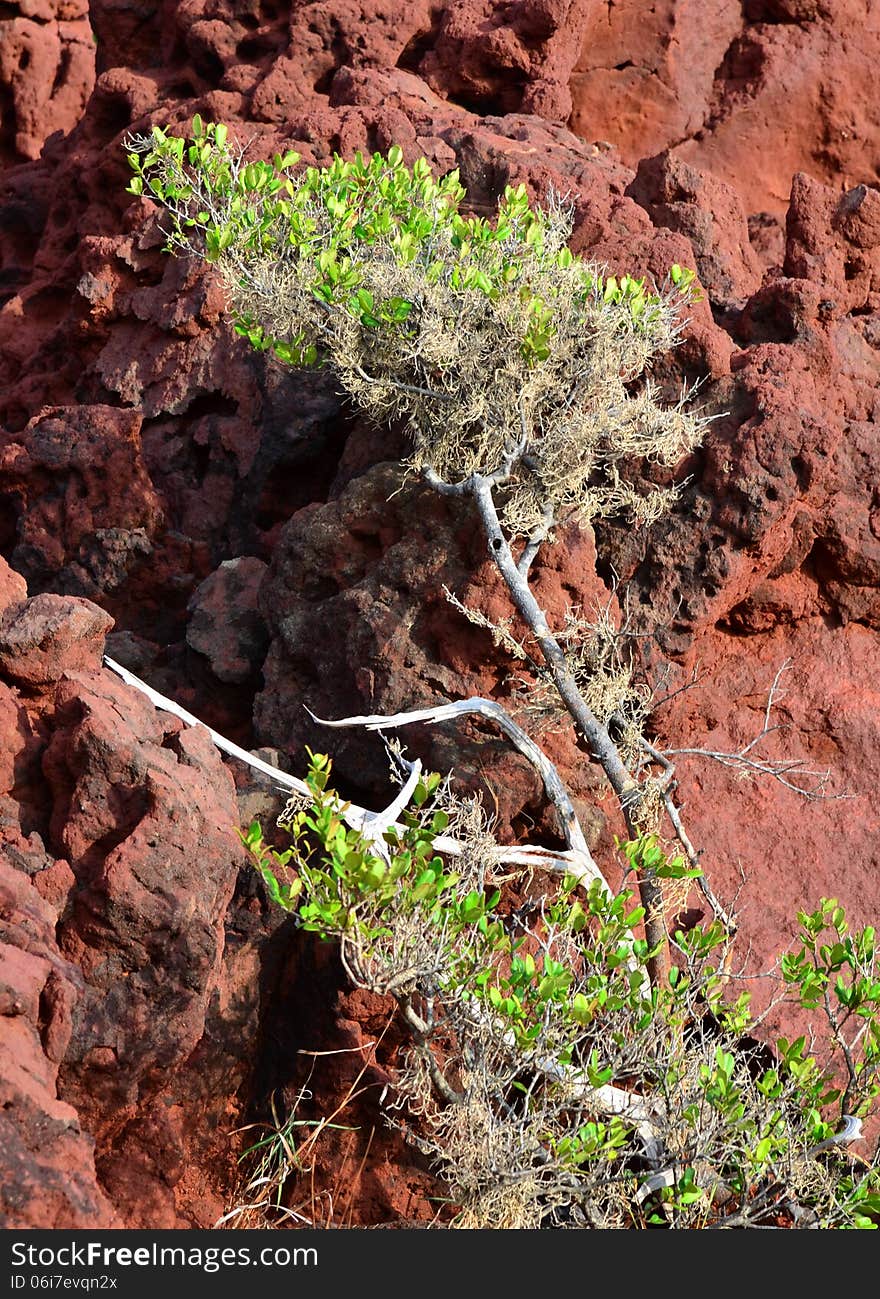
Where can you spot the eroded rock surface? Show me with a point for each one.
(47, 71)
(120, 856)
(154, 472)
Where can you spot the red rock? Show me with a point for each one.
(752, 95)
(829, 711)
(47, 70)
(144, 445)
(644, 78)
(48, 1161)
(224, 620)
(87, 508)
(834, 242)
(43, 638)
(13, 588)
(145, 813)
(680, 197)
(110, 793)
(508, 59)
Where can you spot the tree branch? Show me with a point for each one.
(529, 856)
(741, 761)
(601, 745)
(674, 814)
(534, 542)
(553, 784)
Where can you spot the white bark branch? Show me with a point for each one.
(553, 784)
(530, 856)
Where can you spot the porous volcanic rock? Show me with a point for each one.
(47, 71)
(224, 620)
(512, 58)
(143, 447)
(752, 92)
(86, 508)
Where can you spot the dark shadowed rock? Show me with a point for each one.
(225, 623)
(355, 602)
(86, 507)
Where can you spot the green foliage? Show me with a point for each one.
(553, 1081)
(841, 975)
(329, 215)
(497, 346)
(554, 1013)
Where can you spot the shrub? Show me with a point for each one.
(513, 364)
(491, 340)
(554, 1086)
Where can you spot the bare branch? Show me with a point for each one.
(553, 784)
(851, 1131)
(433, 393)
(625, 786)
(781, 770)
(674, 814)
(534, 542)
(533, 857)
(421, 1033)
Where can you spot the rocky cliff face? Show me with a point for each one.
(229, 529)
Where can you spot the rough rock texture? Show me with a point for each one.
(680, 197)
(118, 865)
(48, 1177)
(224, 621)
(47, 71)
(753, 91)
(42, 638)
(154, 472)
(86, 508)
(354, 597)
(494, 58)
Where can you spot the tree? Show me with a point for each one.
(519, 373)
(511, 362)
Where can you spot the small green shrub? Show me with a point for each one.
(490, 339)
(554, 1083)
